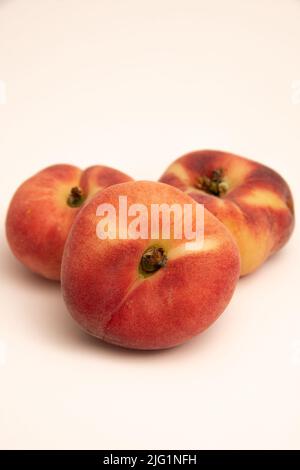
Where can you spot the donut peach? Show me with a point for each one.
(252, 200)
(149, 292)
(43, 209)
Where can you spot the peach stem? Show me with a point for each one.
(153, 259)
(214, 185)
(75, 198)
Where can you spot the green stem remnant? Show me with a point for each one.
(215, 185)
(152, 260)
(75, 198)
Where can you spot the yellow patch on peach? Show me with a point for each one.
(237, 172)
(178, 170)
(209, 244)
(263, 198)
(253, 249)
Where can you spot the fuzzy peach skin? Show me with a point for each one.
(255, 203)
(43, 209)
(112, 297)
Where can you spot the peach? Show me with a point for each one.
(147, 292)
(43, 209)
(252, 200)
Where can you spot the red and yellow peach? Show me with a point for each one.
(252, 200)
(147, 293)
(43, 209)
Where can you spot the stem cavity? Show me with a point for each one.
(75, 198)
(152, 260)
(215, 184)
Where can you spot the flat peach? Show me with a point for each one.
(146, 293)
(43, 209)
(252, 200)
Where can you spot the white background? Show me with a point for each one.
(134, 84)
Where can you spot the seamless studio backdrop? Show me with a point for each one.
(134, 85)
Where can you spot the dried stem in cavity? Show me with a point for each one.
(153, 259)
(215, 184)
(75, 198)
